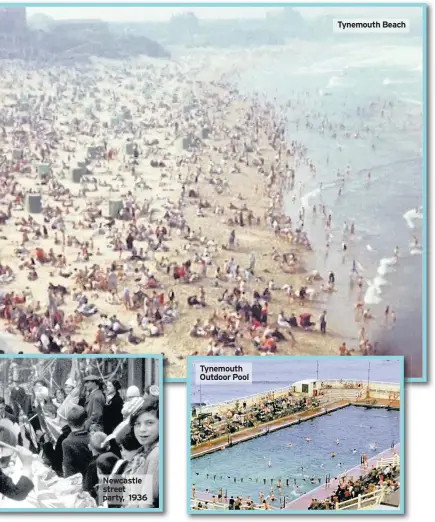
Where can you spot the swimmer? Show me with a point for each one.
(289, 444)
(307, 439)
(354, 451)
(337, 441)
(373, 446)
(332, 454)
(396, 252)
(269, 464)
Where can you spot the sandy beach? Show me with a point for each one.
(195, 172)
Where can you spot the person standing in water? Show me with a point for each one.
(387, 313)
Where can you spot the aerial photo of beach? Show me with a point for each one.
(307, 434)
(211, 181)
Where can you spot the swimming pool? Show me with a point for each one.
(248, 468)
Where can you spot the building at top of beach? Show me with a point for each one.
(13, 20)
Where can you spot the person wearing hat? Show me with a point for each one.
(112, 415)
(95, 401)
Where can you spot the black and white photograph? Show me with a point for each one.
(80, 433)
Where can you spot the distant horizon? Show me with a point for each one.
(272, 374)
(165, 13)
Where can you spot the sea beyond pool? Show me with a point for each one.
(334, 79)
(269, 373)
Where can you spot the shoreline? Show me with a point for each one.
(383, 335)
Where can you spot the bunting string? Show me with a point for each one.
(278, 482)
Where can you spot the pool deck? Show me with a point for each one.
(320, 493)
(222, 443)
(204, 496)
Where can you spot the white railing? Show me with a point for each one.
(336, 389)
(367, 501)
(392, 461)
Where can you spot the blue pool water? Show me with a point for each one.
(355, 427)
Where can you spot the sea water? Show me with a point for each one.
(271, 457)
(334, 79)
(270, 374)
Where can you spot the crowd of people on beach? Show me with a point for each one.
(75, 435)
(159, 268)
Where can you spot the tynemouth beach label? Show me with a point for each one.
(80, 434)
(213, 181)
(304, 435)
(372, 26)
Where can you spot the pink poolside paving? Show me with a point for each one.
(322, 492)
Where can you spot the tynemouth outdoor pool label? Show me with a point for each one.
(218, 373)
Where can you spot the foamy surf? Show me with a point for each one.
(416, 252)
(388, 81)
(305, 200)
(379, 281)
(386, 265)
(335, 81)
(411, 216)
(372, 295)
